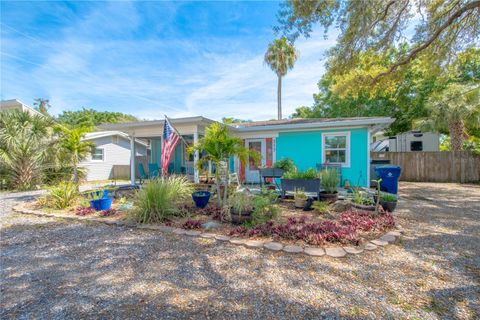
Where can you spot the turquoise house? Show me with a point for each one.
(314, 143)
(310, 143)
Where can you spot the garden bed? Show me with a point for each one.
(293, 226)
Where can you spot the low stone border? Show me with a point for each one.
(333, 252)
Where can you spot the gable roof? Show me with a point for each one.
(101, 134)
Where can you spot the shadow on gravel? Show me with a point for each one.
(77, 270)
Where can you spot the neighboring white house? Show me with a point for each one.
(111, 148)
(18, 105)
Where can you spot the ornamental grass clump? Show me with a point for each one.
(62, 195)
(162, 199)
(329, 180)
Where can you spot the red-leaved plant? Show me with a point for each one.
(344, 231)
(192, 224)
(108, 212)
(84, 211)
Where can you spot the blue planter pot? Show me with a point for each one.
(201, 198)
(101, 204)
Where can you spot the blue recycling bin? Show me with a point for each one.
(390, 176)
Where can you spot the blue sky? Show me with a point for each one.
(152, 58)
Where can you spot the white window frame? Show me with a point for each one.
(103, 154)
(346, 134)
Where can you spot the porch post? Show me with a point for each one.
(196, 157)
(132, 159)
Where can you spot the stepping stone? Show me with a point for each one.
(274, 246)
(237, 241)
(370, 247)
(292, 249)
(221, 237)
(312, 251)
(254, 244)
(207, 235)
(179, 231)
(379, 242)
(336, 252)
(394, 233)
(388, 238)
(193, 233)
(353, 250)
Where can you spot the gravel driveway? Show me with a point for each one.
(54, 269)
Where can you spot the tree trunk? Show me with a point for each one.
(217, 184)
(75, 170)
(279, 97)
(225, 192)
(456, 129)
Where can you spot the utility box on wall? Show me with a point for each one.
(414, 141)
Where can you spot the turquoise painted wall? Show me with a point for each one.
(304, 148)
(156, 154)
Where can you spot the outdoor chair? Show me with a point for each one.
(335, 166)
(153, 170)
(141, 173)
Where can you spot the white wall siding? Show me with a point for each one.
(117, 153)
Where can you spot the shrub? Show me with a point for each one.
(63, 195)
(307, 174)
(321, 206)
(108, 212)
(241, 202)
(192, 224)
(161, 199)
(329, 180)
(84, 211)
(264, 209)
(286, 165)
(212, 211)
(345, 230)
(388, 197)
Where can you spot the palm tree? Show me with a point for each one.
(25, 141)
(42, 105)
(280, 57)
(217, 146)
(71, 140)
(452, 110)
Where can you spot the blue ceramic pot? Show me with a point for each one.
(201, 198)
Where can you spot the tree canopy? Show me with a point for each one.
(374, 27)
(92, 118)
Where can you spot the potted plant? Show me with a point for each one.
(329, 181)
(99, 200)
(201, 198)
(388, 201)
(241, 207)
(362, 201)
(307, 180)
(300, 198)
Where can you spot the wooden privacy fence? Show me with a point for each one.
(460, 166)
(122, 171)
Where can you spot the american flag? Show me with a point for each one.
(170, 141)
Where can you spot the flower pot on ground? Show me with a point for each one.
(361, 200)
(201, 198)
(388, 201)
(241, 207)
(329, 181)
(300, 198)
(101, 204)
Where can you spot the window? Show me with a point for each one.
(97, 154)
(336, 148)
